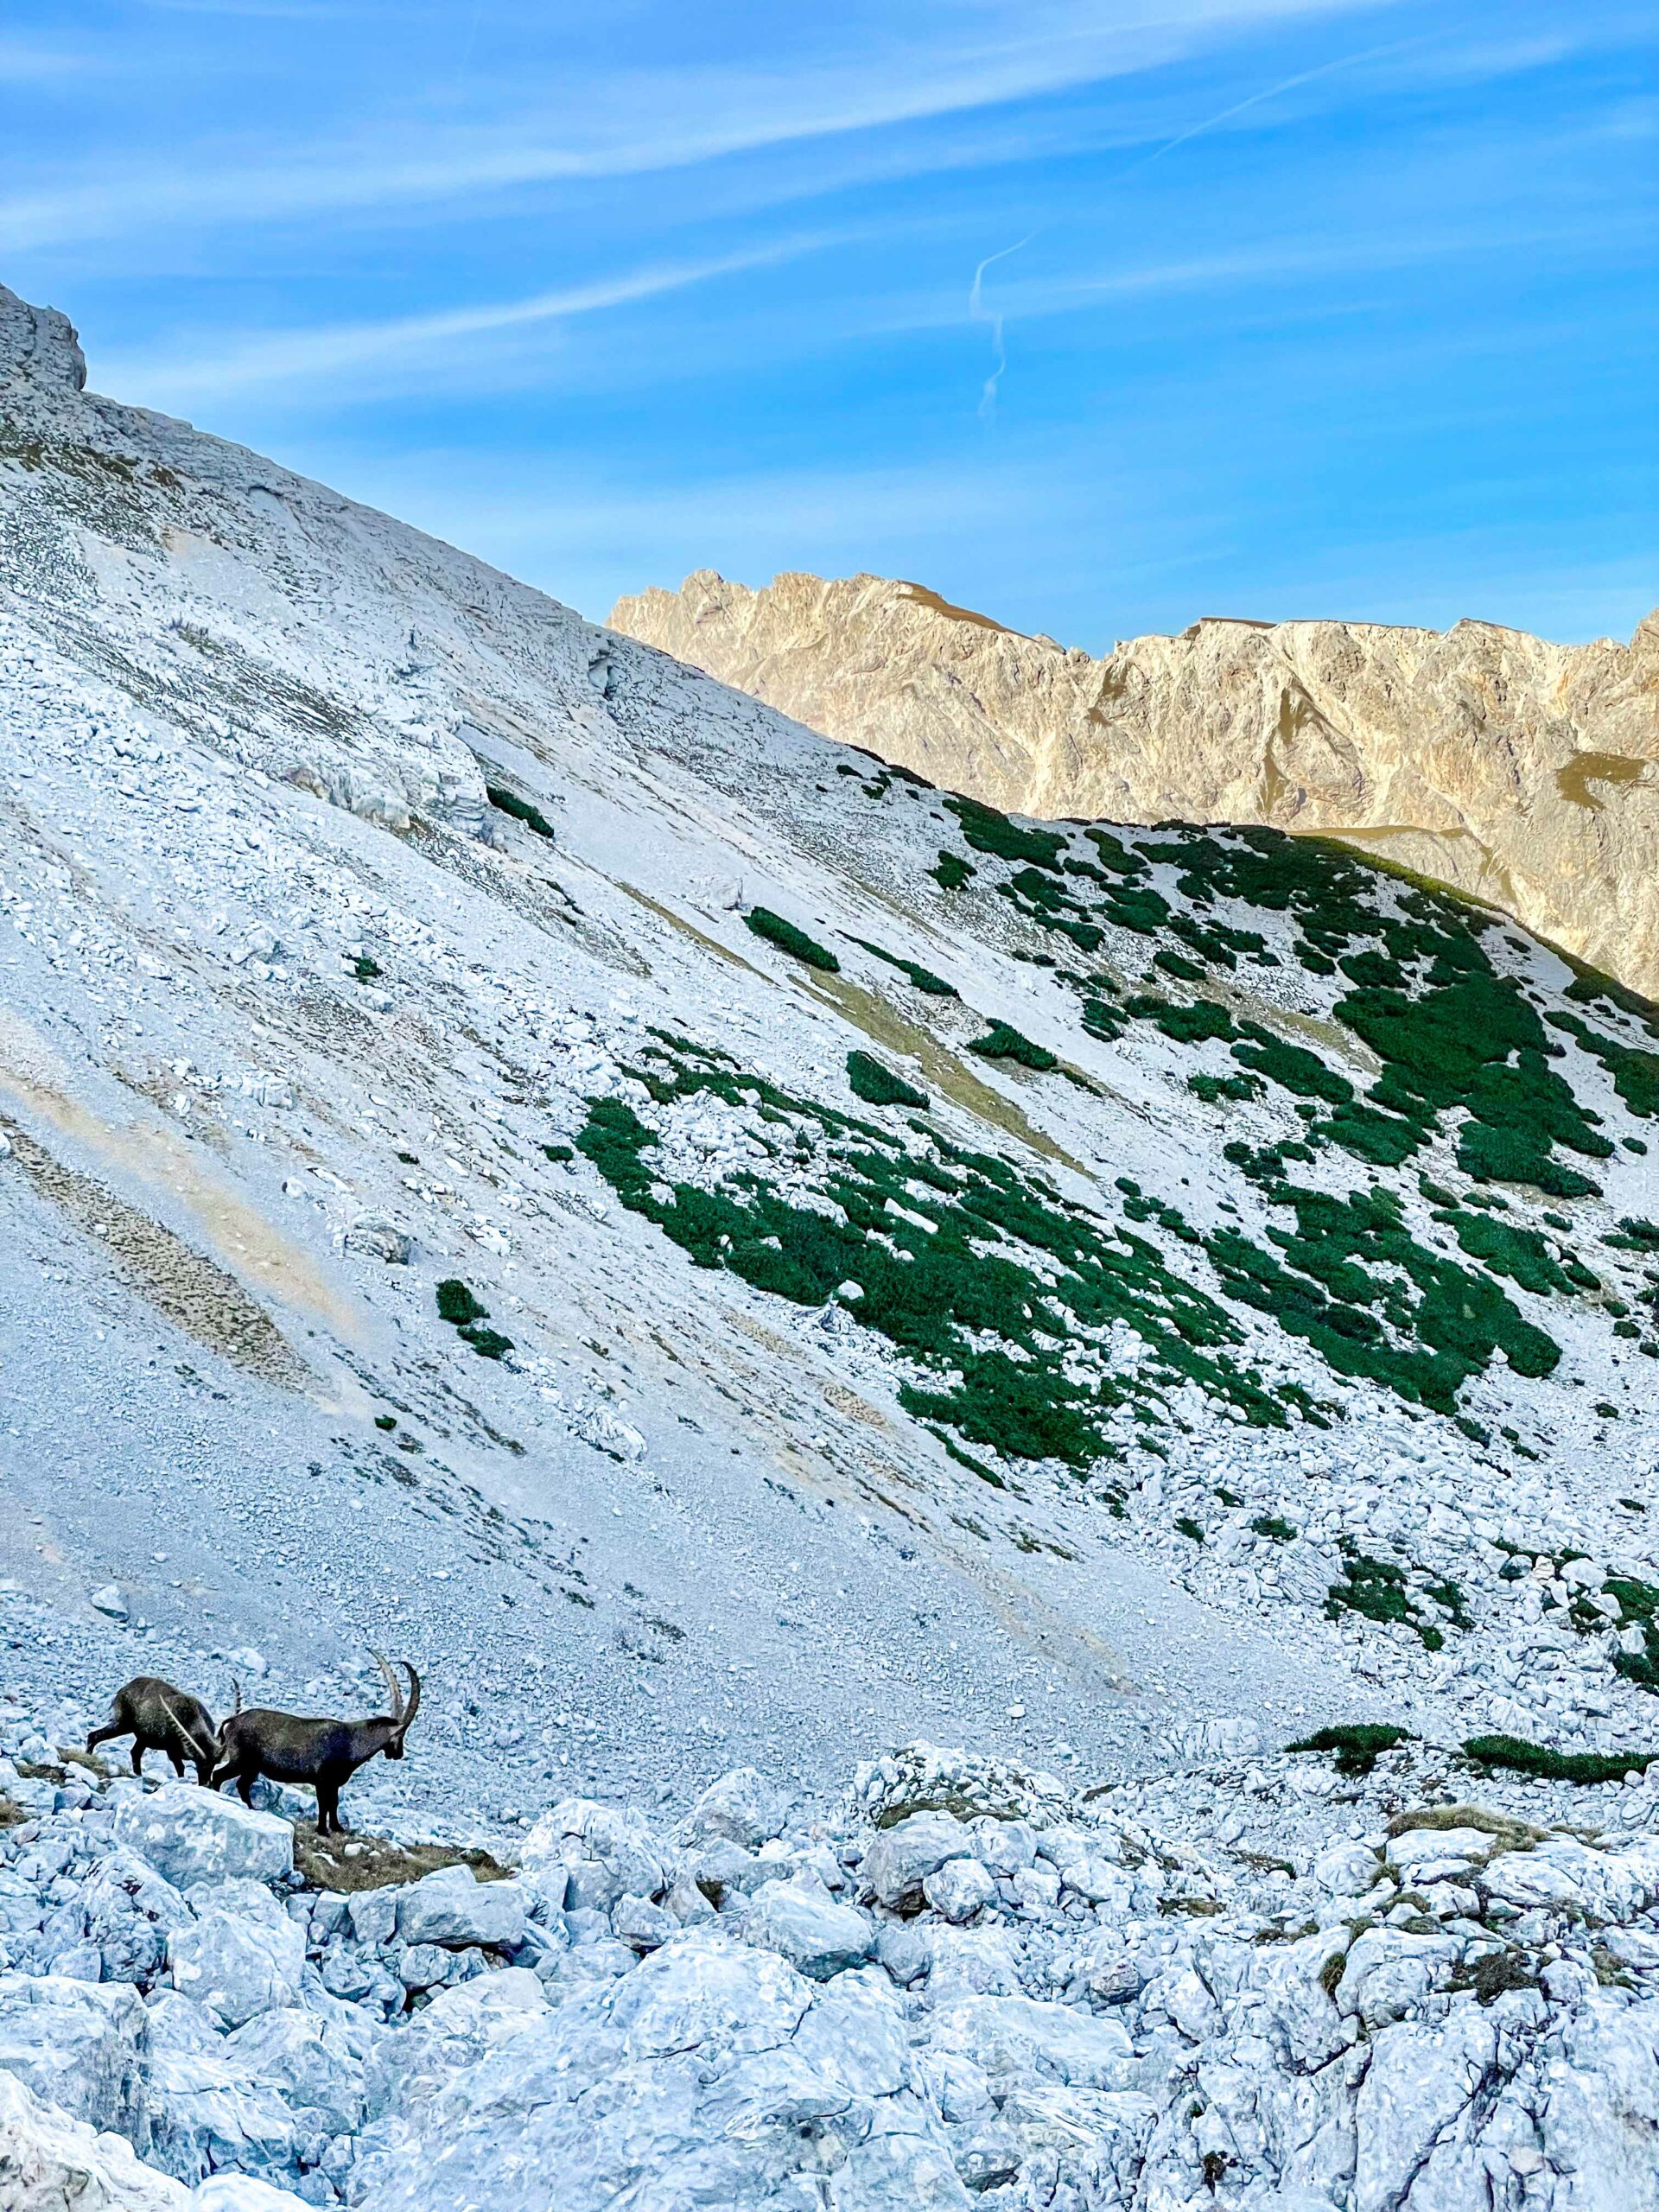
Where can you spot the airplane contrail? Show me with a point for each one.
(979, 313)
(1270, 92)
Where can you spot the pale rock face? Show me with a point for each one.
(237, 1967)
(1523, 772)
(81, 2045)
(816, 1935)
(52, 2163)
(189, 1835)
(453, 1907)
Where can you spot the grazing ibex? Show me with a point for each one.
(325, 1753)
(160, 1717)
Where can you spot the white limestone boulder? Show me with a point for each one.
(960, 1888)
(741, 1806)
(236, 1967)
(84, 2046)
(901, 1857)
(189, 1835)
(803, 1924)
(454, 1908)
(52, 2163)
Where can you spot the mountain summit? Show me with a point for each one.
(1521, 773)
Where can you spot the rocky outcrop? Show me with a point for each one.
(1523, 772)
(1250, 1985)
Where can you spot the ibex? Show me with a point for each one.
(325, 1753)
(160, 1717)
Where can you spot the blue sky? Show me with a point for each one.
(1283, 307)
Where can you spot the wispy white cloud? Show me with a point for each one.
(639, 122)
(262, 360)
(23, 62)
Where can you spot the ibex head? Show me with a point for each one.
(395, 1723)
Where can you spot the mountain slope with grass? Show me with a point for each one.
(518, 1153)
(728, 1256)
(1524, 773)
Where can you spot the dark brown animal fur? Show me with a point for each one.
(287, 1747)
(160, 1717)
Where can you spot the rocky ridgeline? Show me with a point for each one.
(959, 1985)
(1525, 772)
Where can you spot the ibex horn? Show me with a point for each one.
(393, 1685)
(414, 1705)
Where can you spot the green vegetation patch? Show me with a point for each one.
(1638, 1606)
(1519, 1254)
(951, 871)
(999, 1294)
(1212, 1089)
(988, 831)
(1356, 1745)
(1585, 1768)
(1636, 1074)
(1353, 1282)
(763, 922)
(506, 802)
(1382, 1590)
(877, 1084)
(1003, 1042)
(458, 1306)
(922, 978)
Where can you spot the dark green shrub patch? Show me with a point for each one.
(877, 1084)
(1518, 1156)
(1380, 1590)
(997, 1290)
(1356, 1746)
(1145, 912)
(1636, 1074)
(1177, 964)
(1290, 1065)
(1638, 1606)
(1187, 1527)
(1382, 1140)
(558, 1152)
(1114, 853)
(1520, 1254)
(1185, 1025)
(763, 922)
(951, 871)
(1002, 1042)
(1212, 1089)
(988, 831)
(506, 802)
(1278, 1531)
(1585, 1768)
(1422, 1339)
(922, 978)
(457, 1304)
(364, 970)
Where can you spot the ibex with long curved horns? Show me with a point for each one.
(160, 1717)
(326, 1753)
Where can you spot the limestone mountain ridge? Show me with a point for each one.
(1519, 772)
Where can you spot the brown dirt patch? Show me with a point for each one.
(348, 1864)
(191, 1291)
